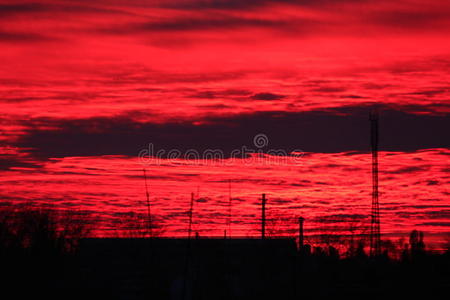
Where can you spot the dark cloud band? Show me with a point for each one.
(333, 131)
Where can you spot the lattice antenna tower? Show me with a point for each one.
(375, 236)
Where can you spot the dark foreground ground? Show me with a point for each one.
(218, 269)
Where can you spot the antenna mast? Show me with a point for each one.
(229, 208)
(375, 236)
(191, 209)
(148, 206)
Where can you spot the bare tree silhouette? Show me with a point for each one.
(42, 230)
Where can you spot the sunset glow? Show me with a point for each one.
(87, 86)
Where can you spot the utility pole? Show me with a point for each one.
(263, 217)
(300, 233)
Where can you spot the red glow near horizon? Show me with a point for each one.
(196, 62)
(317, 186)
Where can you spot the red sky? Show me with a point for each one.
(85, 86)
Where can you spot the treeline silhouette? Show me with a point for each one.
(46, 252)
(39, 251)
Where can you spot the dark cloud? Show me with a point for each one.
(211, 94)
(203, 199)
(339, 218)
(267, 96)
(418, 19)
(351, 97)
(344, 129)
(197, 17)
(412, 18)
(153, 77)
(204, 95)
(8, 163)
(405, 170)
(440, 224)
(248, 4)
(329, 89)
(204, 23)
(430, 92)
(210, 23)
(432, 182)
(433, 214)
(216, 4)
(214, 106)
(10, 10)
(24, 37)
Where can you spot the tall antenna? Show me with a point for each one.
(229, 208)
(191, 209)
(375, 236)
(188, 250)
(148, 206)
